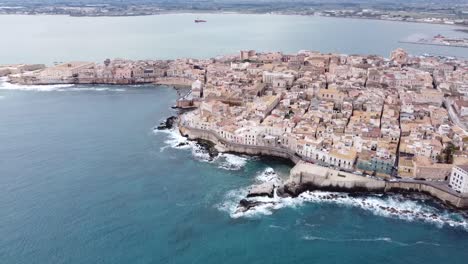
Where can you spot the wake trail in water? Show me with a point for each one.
(369, 240)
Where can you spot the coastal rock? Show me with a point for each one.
(294, 189)
(168, 123)
(264, 189)
(209, 147)
(245, 205)
(280, 191)
(181, 144)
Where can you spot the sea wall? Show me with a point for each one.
(34, 80)
(225, 146)
(306, 176)
(309, 177)
(174, 81)
(448, 197)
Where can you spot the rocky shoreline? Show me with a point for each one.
(258, 196)
(273, 192)
(333, 182)
(167, 124)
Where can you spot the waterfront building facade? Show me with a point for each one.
(459, 178)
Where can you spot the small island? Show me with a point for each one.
(354, 123)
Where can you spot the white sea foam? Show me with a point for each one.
(201, 154)
(97, 89)
(177, 141)
(376, 239)
(384, 239)
(4, 85)
(277, 227)
(268, 175)
(394, 206)
(231, 162)
(174, 139)
(225, 161)
(267, 206)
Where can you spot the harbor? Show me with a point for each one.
(440, 40)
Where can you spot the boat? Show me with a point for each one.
(200, 21)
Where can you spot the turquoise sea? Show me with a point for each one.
(85, 179)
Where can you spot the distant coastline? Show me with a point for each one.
(248, 13)
(462, 30)
(420, 13)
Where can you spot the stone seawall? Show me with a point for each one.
(306, 176)
(28, 80)
(452, 199)
(309, 177)
(175, 82)
(225, 146)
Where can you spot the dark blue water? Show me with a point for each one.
(83, 179)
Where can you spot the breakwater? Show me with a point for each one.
(435, 44)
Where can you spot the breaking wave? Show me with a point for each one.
(174, 139)
(268, 175)
(224, 161)
(268, 205)
(231, 161)
(98, 89)
(4, 85)
(393, 206)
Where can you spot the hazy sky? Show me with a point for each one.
(230, 1)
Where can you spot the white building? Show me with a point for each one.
(459, 178)
(197, 89)
(278, 79)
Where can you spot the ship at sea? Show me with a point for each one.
(200, 21)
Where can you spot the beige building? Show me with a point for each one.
(66, 70)
(399, 56)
